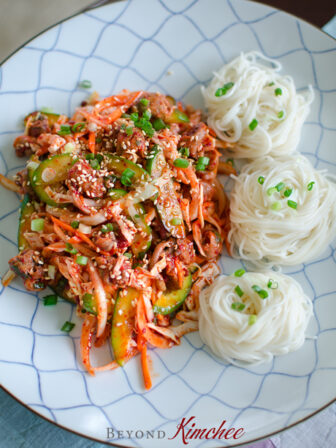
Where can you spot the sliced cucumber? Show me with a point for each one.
(59, 166)
(26, 211)
(123, 325)
(170, 301)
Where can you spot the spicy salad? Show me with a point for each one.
(122, 215)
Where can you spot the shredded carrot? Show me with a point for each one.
(92, 142)
(142, 347)
(80, 235)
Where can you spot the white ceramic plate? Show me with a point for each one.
(170, 46)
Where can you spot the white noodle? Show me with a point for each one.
(280, 325)
(288, 236)
(252, 97)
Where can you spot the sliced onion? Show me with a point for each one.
(85, 229)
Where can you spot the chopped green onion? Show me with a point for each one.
(129, 131)
(78, 127)
(90, 156)
(68, 326)
(261, 292)
(64, 130)
(50, 300)
(181, 116)
(288, 192)
(107, 228)
(271, 84)
(145, 126)
(95, 164)
(271, 190)
(239, 291)
(276, 206)
(47, 110)
(88, 302)
(239, 272)
(185, 151)
(147, 115)
(176, 222)
(202, 163)
(126, 177)
(292, 204)
(37, 225)
(272, 284)
(310, 186)
(261, 179)
(253, 124)
(223, 90)
(159, 124)
(81, 260)
(281, 114)
(280, 186)
(99, 157)
(144, 102)
(181, 163)
(85, 84)
(252, 319)
(75, 224)
(69, 248)
(237, 306)
(134, 116)
(278, 91)
(128, 255)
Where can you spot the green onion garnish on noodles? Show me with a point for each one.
(310, 186)
(37, 225)
(239, 291)
(223, 90)
(252, 319)
(272, 284)
(261, 179)
(271, 190)
(288, 192)
(239, 272)
(50, 300)
(280, 186)
(253, 124)
(68, 326)
(85, 84)
(276, 206)
(107, 228)
(292, 204)
(144, 102)
(262, 293)
(237, 306)
(281, 114)
(278, 91)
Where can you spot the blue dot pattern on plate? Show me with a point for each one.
(173, 47)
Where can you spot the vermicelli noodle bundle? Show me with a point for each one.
(283, 211)
(250, 104)
(253, 317)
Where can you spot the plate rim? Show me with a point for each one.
(93, 6)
